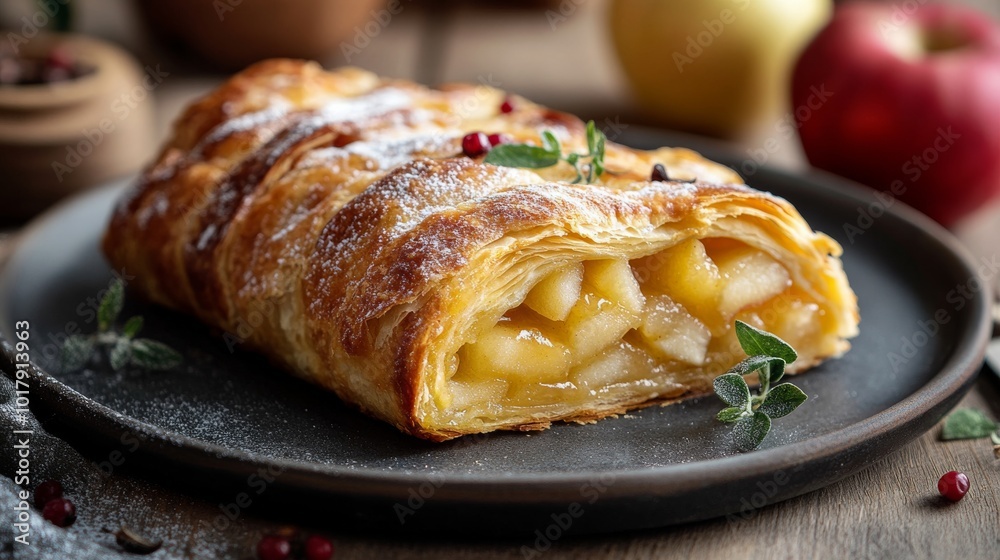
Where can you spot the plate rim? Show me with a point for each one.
(953, 378)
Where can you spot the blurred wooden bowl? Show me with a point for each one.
(234, 33)
(56, 139)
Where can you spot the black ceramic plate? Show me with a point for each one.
(226, 414)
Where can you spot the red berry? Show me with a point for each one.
(273, 547)
(46, 492)
(507, 106)
(318, 548)
(475, 144)
(953, 485)
(498, 138)
(60, 512)
(59, 57)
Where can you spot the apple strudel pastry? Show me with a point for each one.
(332, 220)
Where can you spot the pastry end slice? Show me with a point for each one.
(558, 334)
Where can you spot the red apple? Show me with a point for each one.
(911, 103)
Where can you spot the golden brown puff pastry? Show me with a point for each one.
(331, 220)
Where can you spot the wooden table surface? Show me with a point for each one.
(889, 510)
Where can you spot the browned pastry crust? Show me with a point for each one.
(330, 219)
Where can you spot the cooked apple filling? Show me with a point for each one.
(618, 328)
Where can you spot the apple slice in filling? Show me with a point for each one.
(518, 353)
(624, 329)
(673, 333)
(686, 272)
(611, 305)
(557, 293)
(749, 277)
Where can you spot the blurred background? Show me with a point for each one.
(884, 83)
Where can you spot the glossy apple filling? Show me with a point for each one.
(607, 330)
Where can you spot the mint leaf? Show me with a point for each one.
(591, 137)
(550, 153)
(550, 142)
(767, 355)
(111, 305)
(756, 342)
(774, 367)
(967, 423)
(598, 153)
(732, 389)
(76, 352)
(782, 400)
(751, 430)
(120, 354)
(521, 155)
(730, 414)
(597, 164)
(595, 148)
(123, 348)
(597, 168)
(776, 371)
(154, 355)
(132, 327)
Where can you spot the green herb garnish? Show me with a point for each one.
(122, 347)
(968, 423)
(752, 414)
(588, 166)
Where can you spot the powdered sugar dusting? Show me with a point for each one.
(365, 106)
(676, 190)
(396, 151)
(386, 213)
(408, 197)
(385, 153)
(336, 110)
(159, 206)
(356, 108)
(206, 236)
(437, 192)
(254, 121)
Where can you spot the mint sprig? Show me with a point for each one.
(767, 355)
(123, 348)
(968, 423)
(589, 165)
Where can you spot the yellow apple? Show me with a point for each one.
(716, 66)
